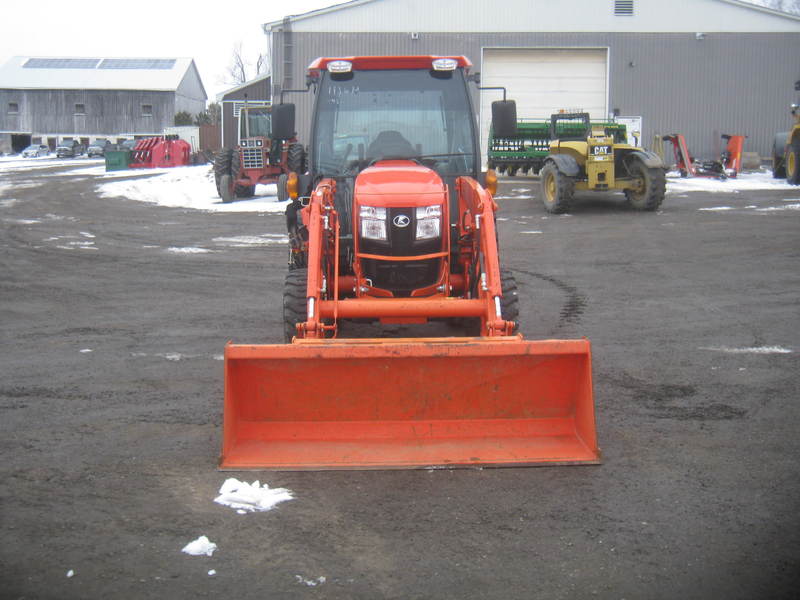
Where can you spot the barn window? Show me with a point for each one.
(623, 8)
(13, 108)
(80, 109)
(147, 110)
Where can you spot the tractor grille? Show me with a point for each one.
(252, 158)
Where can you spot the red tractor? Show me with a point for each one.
(394, 223)
(260, 157)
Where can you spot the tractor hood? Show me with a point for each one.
(398, 183)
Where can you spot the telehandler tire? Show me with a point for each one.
(650, 193)
(778, 161)
(557, 189)
(793, 162)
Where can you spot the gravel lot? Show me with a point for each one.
(114, 317)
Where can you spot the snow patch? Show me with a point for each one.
(761, 180)
(717, 208)
(531, 232)
(250, 497)
(753, 350)
(188, 187)
(246, 241)
(199, 547)
(189, 250)
(70, 573)
(311, 582)
(784, 207)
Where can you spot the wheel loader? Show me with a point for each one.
(259, 157)
(786, 149)
(590, 160)
(394, 223)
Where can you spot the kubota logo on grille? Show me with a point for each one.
(401, 221)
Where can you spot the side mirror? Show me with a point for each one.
(504, 118)
(283, 121)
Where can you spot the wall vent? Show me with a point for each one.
(623, 8)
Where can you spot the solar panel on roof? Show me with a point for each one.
(138, 63)
(61, 63)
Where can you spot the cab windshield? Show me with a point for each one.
(257, 123)
(364, 116)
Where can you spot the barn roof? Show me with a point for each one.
(56, 73)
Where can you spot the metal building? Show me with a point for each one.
(697, 67)
(47, 100)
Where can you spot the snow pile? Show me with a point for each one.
(199, 547)
(187, 187)
(311, 582)
(249, 497)
(761, 180)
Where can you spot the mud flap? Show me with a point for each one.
(408, 403)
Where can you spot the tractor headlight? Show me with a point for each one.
(429, 222)
(373, 222)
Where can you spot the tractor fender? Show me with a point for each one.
(564, 163)
(650, 159)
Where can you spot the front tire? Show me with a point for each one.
(295, 160)
(240, 191)
(793, 162)
(294, 302)
(557, 189)
(222, 166)
(651, 189)
(283, 194)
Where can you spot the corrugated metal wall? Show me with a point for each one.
(724, 83)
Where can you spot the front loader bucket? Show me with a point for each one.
(408, 403)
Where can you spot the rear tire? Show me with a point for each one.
(650, 193)
(557, 189)
(222, 166)
(294, 302)
(793, 162)
(295, 160)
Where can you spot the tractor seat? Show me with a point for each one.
(390, 144)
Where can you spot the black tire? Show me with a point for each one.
(779, 155)
(222, 166)
(240, 191)
(283, 195)
(294, 301)
(557, 189)
(793, 162)
(226, 188)
(652, 188)
(295, 160)
(509, 303)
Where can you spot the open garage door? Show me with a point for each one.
(544, 81)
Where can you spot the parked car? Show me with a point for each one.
(69, 148)
(98, 148)
(36, 150)
(128, 145)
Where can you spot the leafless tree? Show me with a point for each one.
(240, 69)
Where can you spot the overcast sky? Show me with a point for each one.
(144, 28)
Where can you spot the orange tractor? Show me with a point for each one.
(394, 223)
